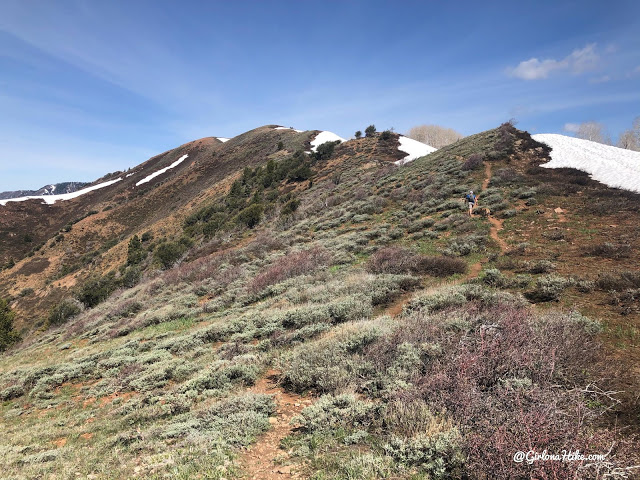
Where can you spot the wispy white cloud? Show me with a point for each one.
(577, 62)
(602, 79)
(534, 69)
(571, 127)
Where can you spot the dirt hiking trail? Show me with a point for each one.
(258, 462)
(496, 224)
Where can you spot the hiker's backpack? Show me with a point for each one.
(470, 198)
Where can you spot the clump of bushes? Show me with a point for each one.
(440, 456)
(385, 136)
(397, 260)
(288, 266)
(393, 260)
(472, 162)
(331, 364)
(96, 289)
(236, 421)
(63, 311)
(324, 151)
(610, 250)
(463, 246)
(547, 289)
(331, 412)
(494, 278)
(440, 266)
(250, 216)
(618, 281)
(541, 266)
(167, 253)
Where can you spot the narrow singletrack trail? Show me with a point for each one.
(258, 462)
(496, 224)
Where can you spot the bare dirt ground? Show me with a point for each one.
(265, 460)
(496, 224)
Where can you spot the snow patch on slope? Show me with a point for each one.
(613, 166)
(51, 199)
(324, 137)
(413, 148)
(160, 172)
(223, 139)
(288, 128)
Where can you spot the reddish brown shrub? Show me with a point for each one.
(473, 162)
(289, 266)
(510, 381)
(440, 266)
(397, 260)
(393, 260)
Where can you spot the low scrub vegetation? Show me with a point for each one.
(291, 265)
(471, 355)
(398, 260)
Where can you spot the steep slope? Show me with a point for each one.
(398, 327)
(76, 237)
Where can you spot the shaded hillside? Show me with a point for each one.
(64, 243)
(343, 293)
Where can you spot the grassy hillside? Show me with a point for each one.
(337, 316)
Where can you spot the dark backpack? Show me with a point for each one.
(470, 198)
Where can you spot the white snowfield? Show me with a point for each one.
(223, 139)
(324, 137)
(414, 149)
(160, 172)
(288, 128)
(613, 166)
(51, 199)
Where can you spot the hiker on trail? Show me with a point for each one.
(472, 200)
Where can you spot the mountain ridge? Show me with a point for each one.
(183, 313)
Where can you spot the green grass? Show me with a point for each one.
(177, 325)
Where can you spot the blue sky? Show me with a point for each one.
(90, 87)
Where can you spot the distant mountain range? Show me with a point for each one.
(53, 189)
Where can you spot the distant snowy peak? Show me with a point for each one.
(51, 199)
(51, 189)
(161, 171)
(223, 139)
(413, 148)
(324, 137)
(613, 166)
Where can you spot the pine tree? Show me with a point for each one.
(7, 333)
